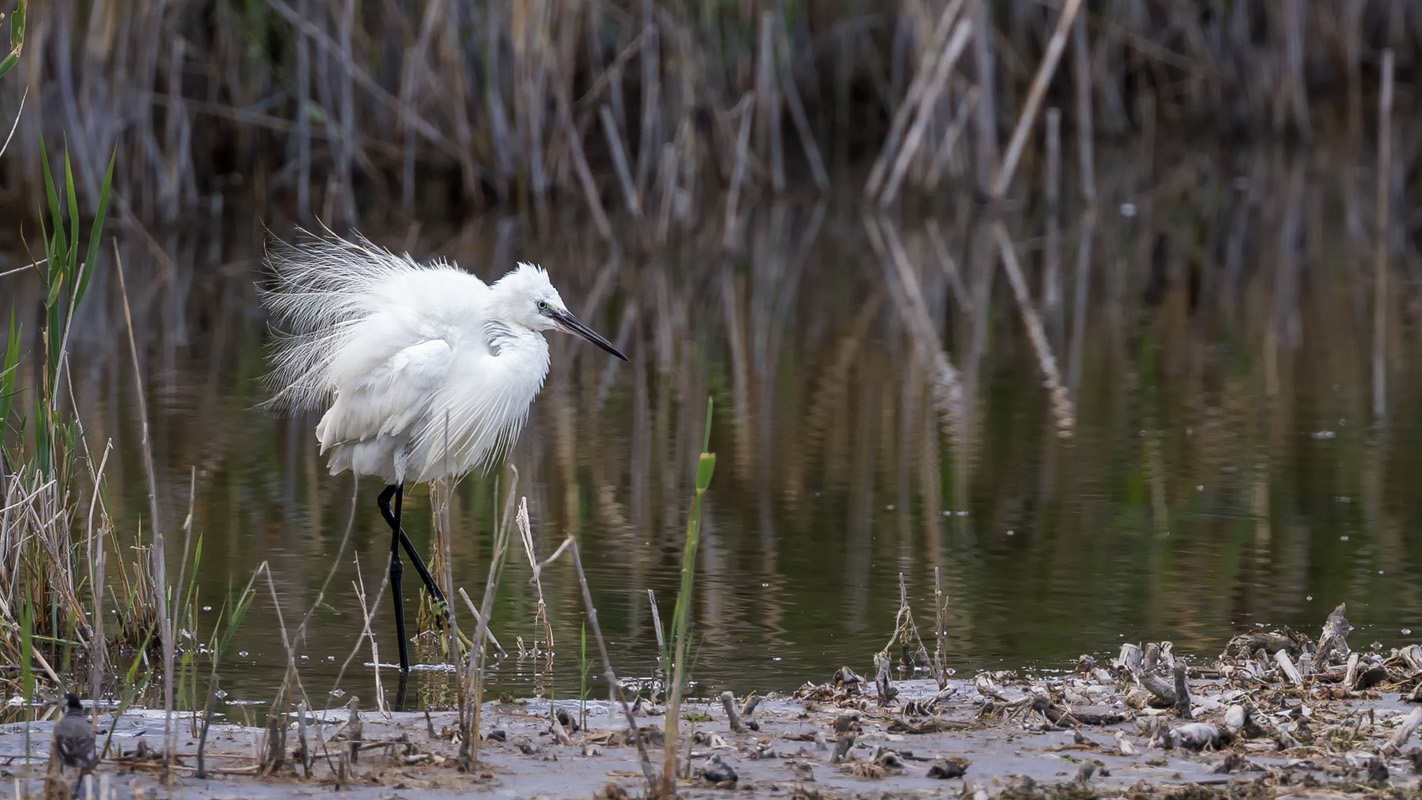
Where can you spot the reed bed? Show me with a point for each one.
(349, 111)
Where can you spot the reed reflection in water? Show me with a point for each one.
(1148, 420)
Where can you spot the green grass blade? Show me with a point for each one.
(73, 197)
(56, 216)
(706, 442)
(17, 40)
(8, 373)
(96, 232)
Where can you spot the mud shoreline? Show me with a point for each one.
(1084, 733)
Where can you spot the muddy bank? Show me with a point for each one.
(1274, 715)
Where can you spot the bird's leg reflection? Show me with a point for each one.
(396, 568)
(401, 691)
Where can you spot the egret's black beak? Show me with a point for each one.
(572, 324)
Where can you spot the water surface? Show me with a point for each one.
(1187, 449)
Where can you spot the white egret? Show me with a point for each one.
(424, 371)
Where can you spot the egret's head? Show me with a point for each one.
(529, 299)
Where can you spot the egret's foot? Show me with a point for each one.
(439, 609)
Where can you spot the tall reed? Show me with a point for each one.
(349, 109)
(681, 616)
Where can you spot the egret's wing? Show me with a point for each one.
(326, 291)
(386, 397)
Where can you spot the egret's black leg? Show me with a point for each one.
(419, 563)
(396, 568)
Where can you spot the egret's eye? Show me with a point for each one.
(542, 305)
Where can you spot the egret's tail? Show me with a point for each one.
(322, 285)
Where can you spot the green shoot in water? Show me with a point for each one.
(681, 617)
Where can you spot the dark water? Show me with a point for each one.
(1189, 448)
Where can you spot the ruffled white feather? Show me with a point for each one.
(424, 370)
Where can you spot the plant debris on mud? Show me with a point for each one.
(1277, 713)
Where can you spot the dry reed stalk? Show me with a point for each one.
(469, 603)
(1063, 409)
(914, 139)
(986, 135)
(367, 632)
(291, 681)
(1052, 277)
(444, 551)
(13, 126)
(361, 76)
(1080, 295)
(413, 65)
(619, 160)
(540, 617)
(783, 68)
(917, 87)
(1295, 92)
(738, 175)
(940, 630)
(661, 636)
(949, 266)
(97, 558)
(471, 693)
(1081, 79)
(580, 162)
(768, 97)
(648, 771)
(348, 143)
(303, 119)
(668, 171)
(157, 555)
(1380, 245)
(945, 379)
(943, 155)
(650, 142)
(1035, 94)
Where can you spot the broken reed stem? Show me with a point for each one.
(1081, 69)
(769, 98)
(580, 161)
(540, 617)
(1063, 409)
(98, 653)
(291, 681)
(477, 617)
(1380, 262)
(940, 630)
(797, 111)
(661, 638)
(1034, 99)
(899, 125)
(738, 174)
(648, 771)
(366, 632)
(947, 384)
(1052, 277)
(914, 139)
(619, 160)
(157, 558)
(472, 694)
(941, 156)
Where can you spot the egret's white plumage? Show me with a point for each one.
(428, 371)
(424, 371)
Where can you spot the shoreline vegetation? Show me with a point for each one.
(346, 110)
